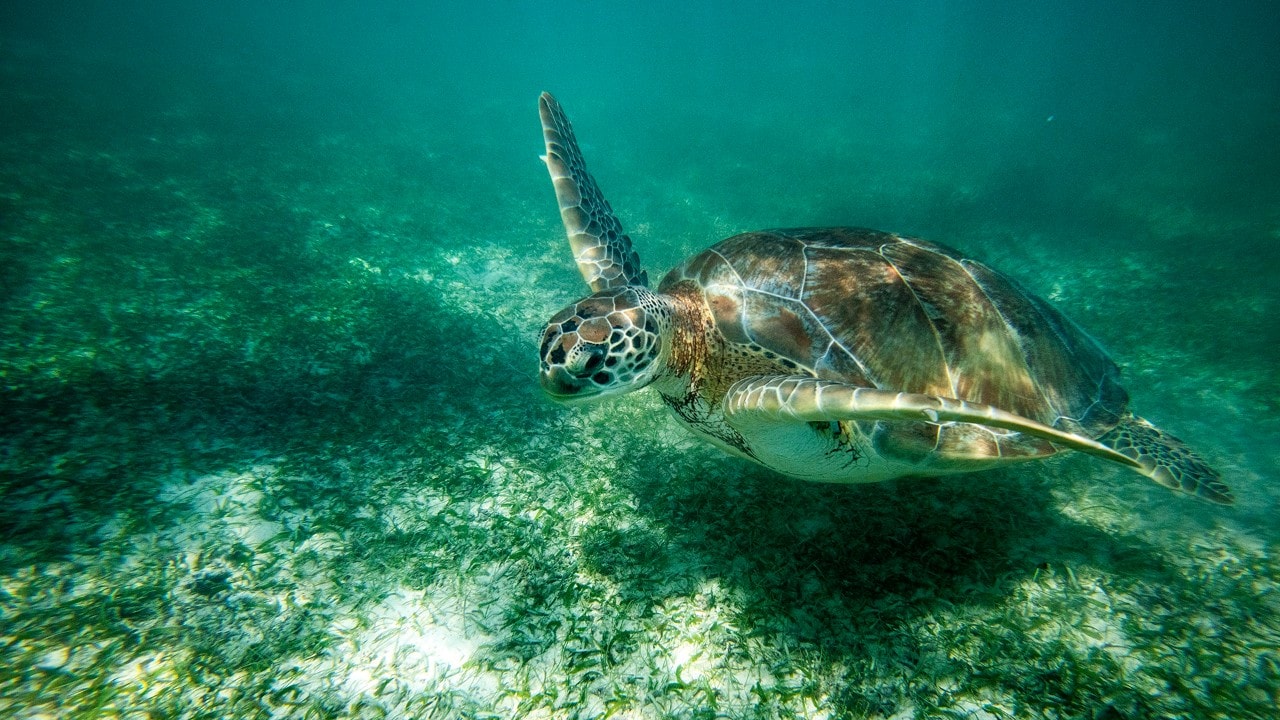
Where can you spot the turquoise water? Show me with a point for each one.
(273, 444)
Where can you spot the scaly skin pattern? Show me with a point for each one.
(1167, 460)
(603, 252)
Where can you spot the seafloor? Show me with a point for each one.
(273, 445)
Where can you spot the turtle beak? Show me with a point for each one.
(563, 386)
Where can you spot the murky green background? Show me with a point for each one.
(271, 442)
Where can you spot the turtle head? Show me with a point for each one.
(606, 344)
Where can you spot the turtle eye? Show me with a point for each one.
(585, 359)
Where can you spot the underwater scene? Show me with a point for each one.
(273, 442)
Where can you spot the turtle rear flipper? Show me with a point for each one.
(1167, 460)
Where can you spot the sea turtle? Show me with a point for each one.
(840, 354)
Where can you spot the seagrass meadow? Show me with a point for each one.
(271, 438)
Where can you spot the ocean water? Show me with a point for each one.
(272, 442)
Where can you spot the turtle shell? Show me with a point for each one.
(878, 310)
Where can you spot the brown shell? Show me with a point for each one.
(876, 309)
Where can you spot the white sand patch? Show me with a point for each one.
(227, 502)
(411, 642)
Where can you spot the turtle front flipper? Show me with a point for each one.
(603, 252)
(1167, 460)
(756, 405)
